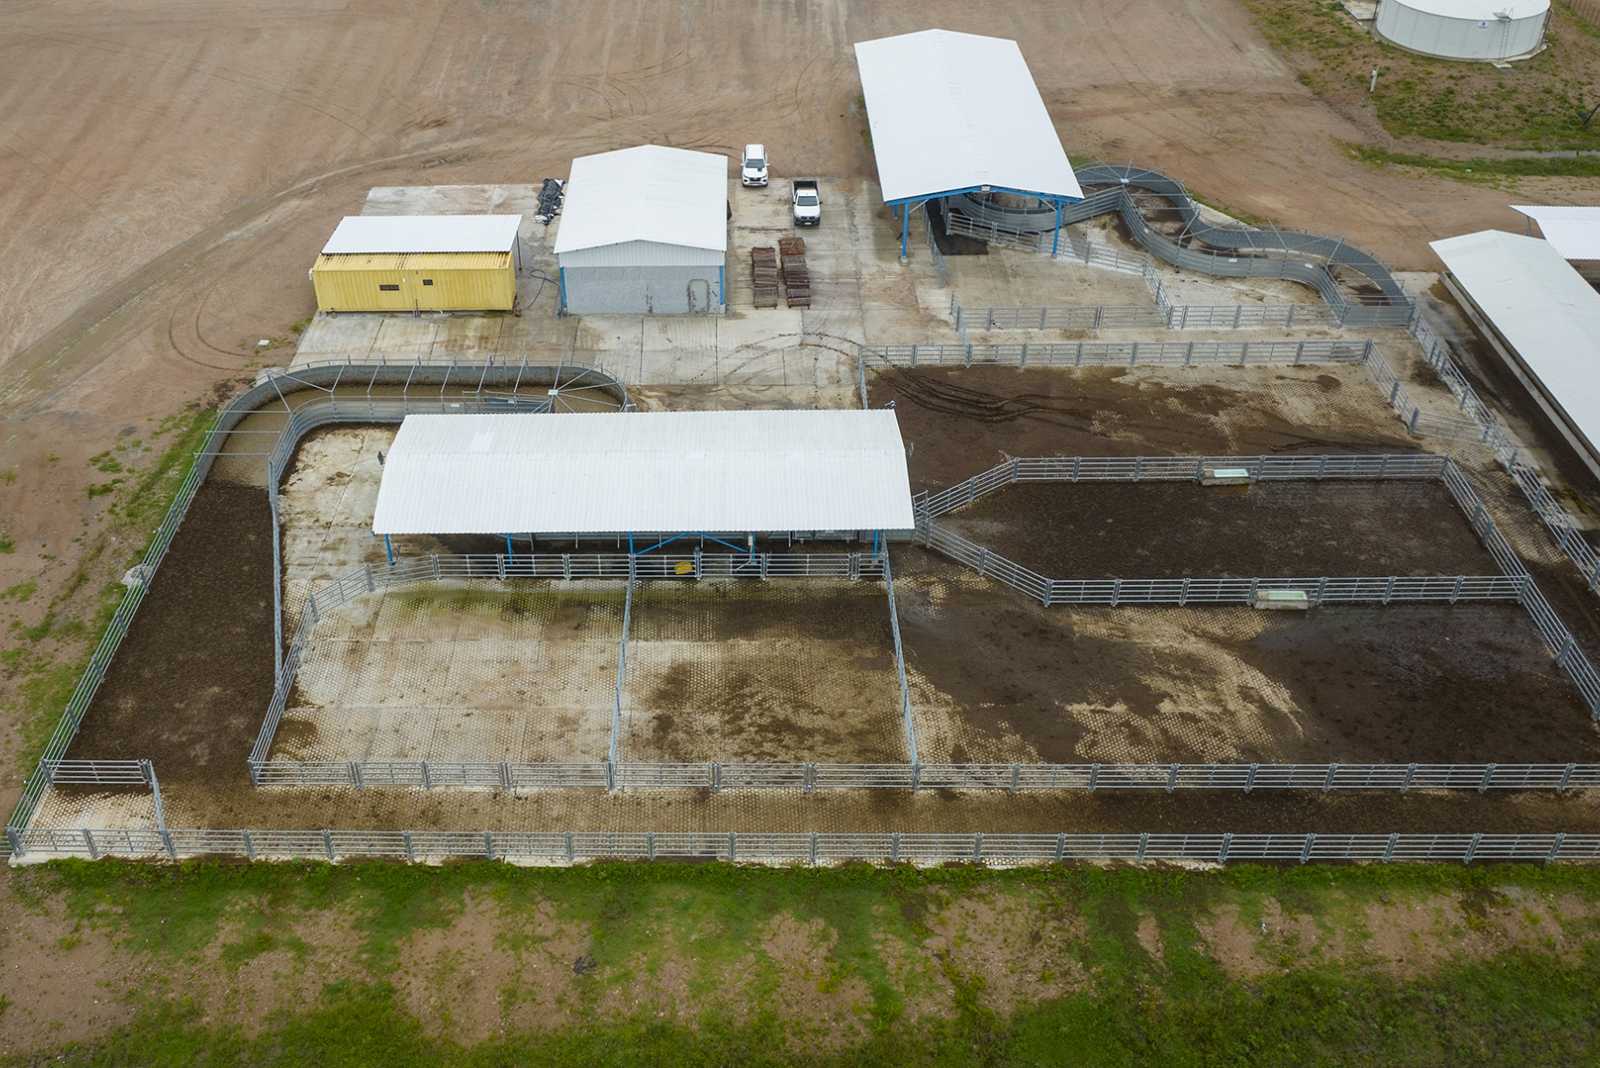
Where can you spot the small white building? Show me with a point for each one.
(644, 231)
(1487, 30)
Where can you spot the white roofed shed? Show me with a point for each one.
(644, 230)
(958, 112)
(1542, 318)
(1571, 230)
(646, 473)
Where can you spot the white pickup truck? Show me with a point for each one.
(806, 196)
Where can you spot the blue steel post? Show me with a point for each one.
(905, 228)
(722, 292)
(510, 549)
(561, 283)
(388, 548)
(1055, 240)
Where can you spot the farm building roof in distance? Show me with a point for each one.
(955, 111)
(645, 472)
(668, 196)
(399, 234)
(1546, 314)
(1572, 231)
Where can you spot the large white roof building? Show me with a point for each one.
(646, 473)
(1545, 320)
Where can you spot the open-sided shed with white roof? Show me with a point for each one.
(645, 231)
(658, 474)
(1542, 318)
(1573, 231)
(958, 113)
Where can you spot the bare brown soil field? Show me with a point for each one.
(1162, 529)
(960, 421)
(1001, 678)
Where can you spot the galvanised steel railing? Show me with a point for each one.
(1161, 314)
(1365, 468)
(1120, 353)
(813, 847)
(806, 777)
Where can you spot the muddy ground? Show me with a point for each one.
(1161, 529)
(740, 671)
(960, 421)
(998, 678)
(191, 681)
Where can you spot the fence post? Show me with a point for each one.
(894, 848)
(1472, 848)
(813, 849)
(355, 775)
(1305, 850)
(166, 840)
(1227, 843)
(488, 845)
(977, 847)
(571, 853)
(249, 846)
(1388, 847)
(327, 844)
(427, 777)
(1094, 776)
(505, 775)
(1327, 783)
(1172, 777)
(1061, 846)
(1250, 780)
(1411, 773)
(1144, 844)
(916, 777)
(1488, 777)
(1555, 847)
(650, 844)
(733, 845)
(411, 853)
(1566, 777)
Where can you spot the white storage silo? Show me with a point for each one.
(1464, 29)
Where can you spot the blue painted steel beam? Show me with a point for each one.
(388, 548)
(722, 292)
(561, 283)
(1055, 239)
(511, 550)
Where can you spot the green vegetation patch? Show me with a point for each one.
(1539, 103)
(950, 966)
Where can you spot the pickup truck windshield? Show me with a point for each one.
(805, 198)
(755, 162)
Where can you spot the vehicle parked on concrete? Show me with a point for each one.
(806, 196)
(753, 168)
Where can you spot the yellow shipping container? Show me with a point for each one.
(434, 281)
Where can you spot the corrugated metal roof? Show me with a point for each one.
(649, 193)
(415, 261)
(1543, 308)
(1572, 231)
(645, 472)
(953, 111)
(423, 233)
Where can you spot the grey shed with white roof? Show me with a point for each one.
(645, 231)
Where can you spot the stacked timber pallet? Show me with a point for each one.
(796, 276)
(764, 276)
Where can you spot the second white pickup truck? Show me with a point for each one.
(806, 196)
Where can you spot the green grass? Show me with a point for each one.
(1537, 103)
(7, 545)
(1517, 1007)
(49, 672)
(1484, 170)
(20, 592)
